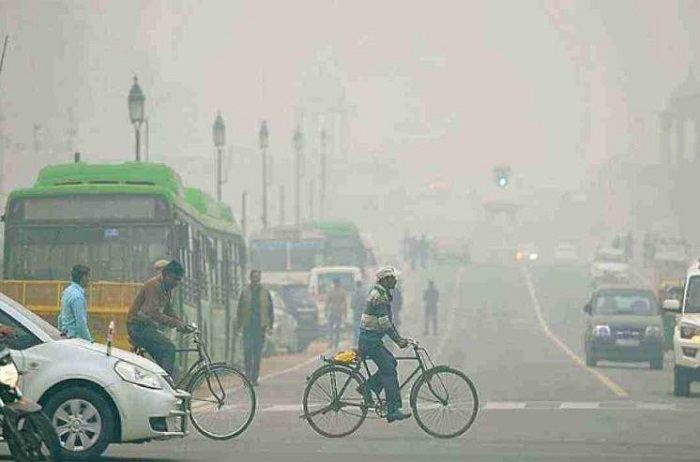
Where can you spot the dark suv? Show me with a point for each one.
(624, 324)
(304, 310)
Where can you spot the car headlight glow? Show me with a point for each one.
(688, 331)
(9, 375)
(601, 331)
(534, 256)
(653, 331)
(137, 375)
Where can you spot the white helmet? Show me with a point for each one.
(387, 271)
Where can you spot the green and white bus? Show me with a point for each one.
(119, 219)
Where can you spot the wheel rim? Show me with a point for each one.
(222, 404)
(445, 404)
(78, 424)
(327, 411)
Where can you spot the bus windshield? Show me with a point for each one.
(285, 255)
(115, 253)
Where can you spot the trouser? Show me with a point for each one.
(253, 342)
(431, 317)
(335, 325)
(386, 376)
(157, 345)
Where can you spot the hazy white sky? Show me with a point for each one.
(438, 90)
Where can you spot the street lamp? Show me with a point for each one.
(298, 146)
(136, 112)
(263, 139)
(219, 134)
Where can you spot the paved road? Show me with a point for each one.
(517, 333)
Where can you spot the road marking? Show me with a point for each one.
(605, 380)
(453, 312)
(545, 406)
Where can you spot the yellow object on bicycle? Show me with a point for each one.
(345, 357)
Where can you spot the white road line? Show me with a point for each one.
(543, 406)
(453, 312)
(605, 380)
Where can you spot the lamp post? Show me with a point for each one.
(263, 138)
(298, 146)
(219, 134)
(324, 153)
(136, 112)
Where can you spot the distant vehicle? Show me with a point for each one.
(624, 324)
(284, 332)
(452, 249)
(304, 310)
(686, 336)
(566, 253)
(345, 245)
(610, 266)
(527, 252)
(321, 281)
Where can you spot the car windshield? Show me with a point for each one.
(610, 257)
(42, 324)
(625, 303)
(296, 295)
(325, 281)
(692, 304)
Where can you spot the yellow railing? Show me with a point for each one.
(107, 301)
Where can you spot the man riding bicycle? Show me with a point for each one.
(375, 324)
(151, 309)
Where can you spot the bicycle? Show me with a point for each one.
(337, 386)
(215, 388)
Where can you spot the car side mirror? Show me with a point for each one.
(672, 306)
(587, 308)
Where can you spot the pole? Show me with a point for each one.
(264, 187)
(148, 135)
(138, 143)
(322, 200)
(281, 204)
(297, 188)
(244, 213)
(4, 49)
(218, 174)
(311, 200)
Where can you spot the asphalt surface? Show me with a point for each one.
(517, 332)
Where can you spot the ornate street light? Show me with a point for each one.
(219, 135)
(263, 140)
(137, 102)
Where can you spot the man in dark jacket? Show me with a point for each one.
(256, 317)
(431, 297)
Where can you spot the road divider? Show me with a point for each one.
(605, 380)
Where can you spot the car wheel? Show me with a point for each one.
(84, 421)
(681, 383)
(657, 364)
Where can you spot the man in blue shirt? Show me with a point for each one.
(72, 321)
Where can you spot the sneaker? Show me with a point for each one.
(397, 415)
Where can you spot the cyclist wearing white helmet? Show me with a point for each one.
(376, 323)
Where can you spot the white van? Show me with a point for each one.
(686, 335)
(321, 281)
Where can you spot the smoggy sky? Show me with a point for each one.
(435, 91)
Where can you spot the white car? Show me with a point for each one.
(321, 281)
(566, 253)
(686, 335)
(284, 331)
(92, 397)
(610, 265)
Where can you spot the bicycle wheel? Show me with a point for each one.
(332, 405)
(40, 439)
(222, 404)
(444, 402)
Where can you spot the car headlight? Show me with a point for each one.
(688, 332)
(137, 375)
(534, 256)
(601, 331)
(653, 331)
(9, 375)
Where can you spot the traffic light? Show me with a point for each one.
(501, 175)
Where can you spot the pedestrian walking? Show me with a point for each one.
(73, 318)
(358, 307)
(431, 297)
(255, 318)
(337, 309)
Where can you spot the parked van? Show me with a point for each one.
(321, 281)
